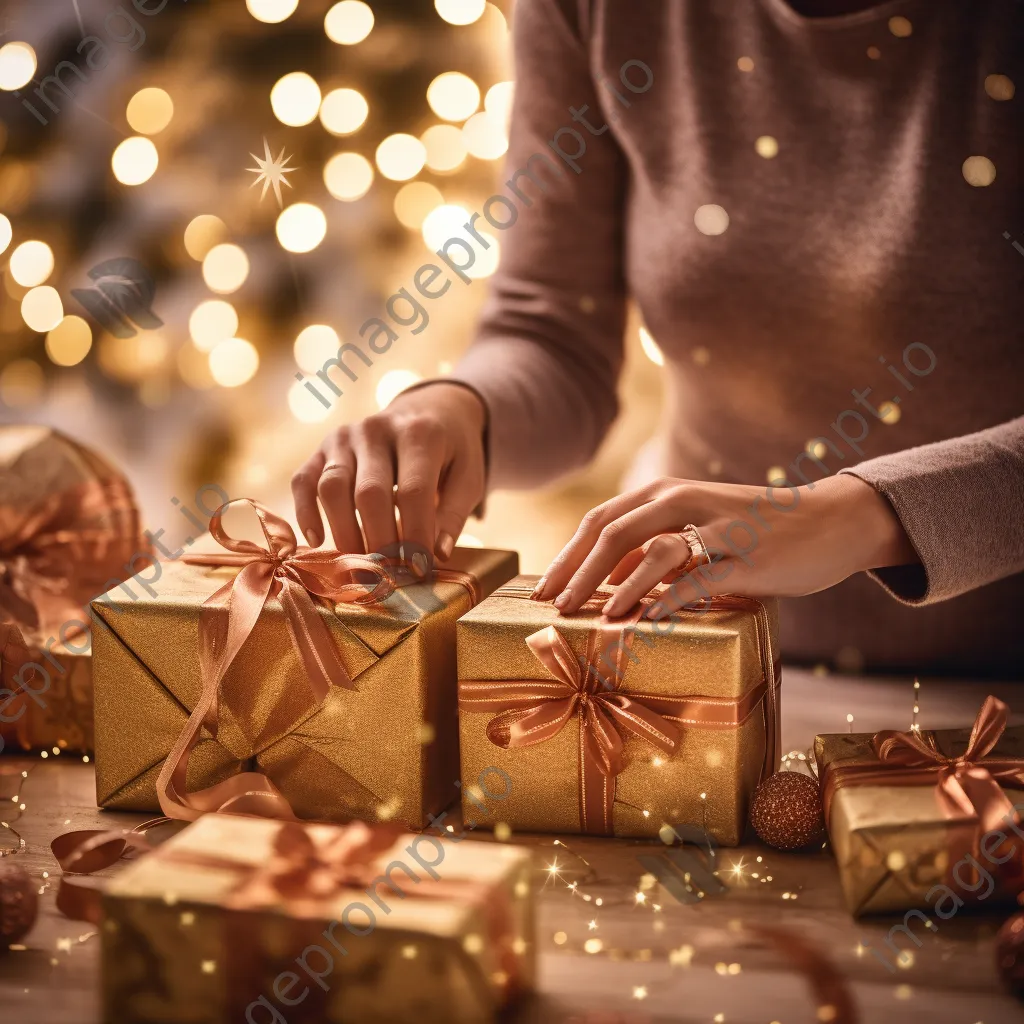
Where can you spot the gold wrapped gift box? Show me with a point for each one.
(892, 841)
(385, 750)
(197, 933)
(60, 716)
(713, 676)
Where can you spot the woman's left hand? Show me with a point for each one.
(808, 538)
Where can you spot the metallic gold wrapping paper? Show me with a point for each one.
(713, 653)
(62, 717)
(174, 953)
(891, 842)
(387, 750)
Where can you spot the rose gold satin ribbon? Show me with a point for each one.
(293, 575)
(967, 785)
(530, 711)
(63, 551)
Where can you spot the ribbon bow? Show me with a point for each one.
(532, 711)
(967, 785)
(294, 575)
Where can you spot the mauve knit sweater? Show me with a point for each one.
(864, 258)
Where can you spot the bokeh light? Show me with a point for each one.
(315, 345)
(393, 383)
(202, 234)
(445, 149)
(21, 383)
(211, 322)
(295, 99)
(305, 406)
(225, 268)
(6, 233)
(344, 111)
(69, 342)
(17, 65)
(42, 309)
(31, 263)
(348, 176)
(442, 223)
(453, 96)
(651, 348)
(271, 11)
(233, 362)
(194, 368)
(301, 227)
(485, 137)
(401, 157)
(135, 160)
(486, 259)
(979, 171)
(767, 146)
(132, 359)
(460, 12)
(711, 219)
(415, 201)
(498, 102)
(150, 111)
(349, 22)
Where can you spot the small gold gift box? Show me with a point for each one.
(386, 749)
(238, 918)
(46, 703)
(920, 820)
(623, 729)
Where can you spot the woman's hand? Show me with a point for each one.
(811, 538)
(423, 455)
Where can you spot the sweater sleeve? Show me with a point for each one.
(549, 348)
(961, 503)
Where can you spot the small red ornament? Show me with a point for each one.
(786, 812)
(1010, 954)
(19, 903)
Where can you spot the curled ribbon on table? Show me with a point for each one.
(967, 785)
(295, 576)
(530, 711)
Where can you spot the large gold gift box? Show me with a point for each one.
(712, 675)
(385, 750)
(892, 841)
(196, 933)
(60, 716)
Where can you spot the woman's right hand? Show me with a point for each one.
(423, 454)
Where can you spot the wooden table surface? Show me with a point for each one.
(686, 962)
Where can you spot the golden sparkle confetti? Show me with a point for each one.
(900, 27)
(905, 959)
(593, 946)
(718, 1018)
(639, 991)
(903, 992)
(979, 171)
(560, 938)
(889, 413)
(874, 53)
(826, 1013)
(187, 919)
(767, 146)
(409, 952)
(745, 64)
(896, 860)
(209, 966)
(999, 87)
(776, 475)
(502, 832)
(272, 172)
(64, 945)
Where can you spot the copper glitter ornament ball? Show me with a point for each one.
(786, 812)
(19, 903)
(1010, 954)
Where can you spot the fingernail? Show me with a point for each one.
(312, 539)
(420, 565)
(445, 545)
(563, 599)
(610, 607)
(539, 589)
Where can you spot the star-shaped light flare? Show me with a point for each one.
(272, 172)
